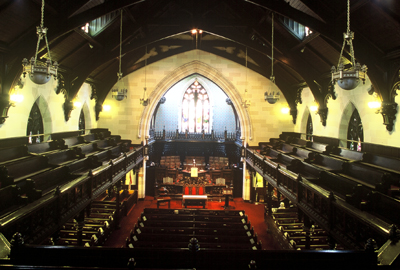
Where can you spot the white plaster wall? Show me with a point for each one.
(51, 107)
(266, 119)
(336, 126)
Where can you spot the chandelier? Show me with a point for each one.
(348, 79)
(40, 72)
(246, 103)
(120, 92)
(145, 101)
(272, 94)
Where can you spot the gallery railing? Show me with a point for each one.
(177, 135)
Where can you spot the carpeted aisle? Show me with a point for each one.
(254, 212)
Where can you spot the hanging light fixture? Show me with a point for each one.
(40, 72)
(246, 103)
(120, 92)
(272, 94)
(350, 78)
(145, 101)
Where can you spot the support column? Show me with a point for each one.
(117, 201)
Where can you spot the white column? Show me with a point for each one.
(142, 181)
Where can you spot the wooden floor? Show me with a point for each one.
(255, 215)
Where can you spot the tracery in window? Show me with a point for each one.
(355, 134)
(195, 109)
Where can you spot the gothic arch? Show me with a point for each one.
(46, 114)
(196, 67)
(304, 118)
(344, 123)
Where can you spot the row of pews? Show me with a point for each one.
(290, 232)
(366, 181)
(63, 175)
(93, 230)
(205, 229)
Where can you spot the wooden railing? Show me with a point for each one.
(40, 219)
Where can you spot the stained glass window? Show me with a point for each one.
(355, 134)
(195, 109)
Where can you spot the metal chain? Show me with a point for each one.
(120, 48)
(348, 16)
(145, 69)
(245, 90)
(272, 49)
(42, 18)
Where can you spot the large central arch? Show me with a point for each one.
(196, 67)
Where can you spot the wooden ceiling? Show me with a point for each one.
(229, 27)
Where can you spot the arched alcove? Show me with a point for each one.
(344, 123)
(196, 67)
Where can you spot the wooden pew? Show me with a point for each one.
(318, 147)
(43, 147)
(27, 168)
(62, 157)
(328, 163)
(366, 176)
(382, 163)
(283, 160)
(46, 182)
(13, 154)
(194, 211)
(346, 154)
(308, 171)
(193, 230)
(11, 199)
(303, 154)
(231, 219)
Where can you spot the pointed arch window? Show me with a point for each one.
(81, 124)
(309, 128)
(35, 125)
(195, 109)
(355, 134)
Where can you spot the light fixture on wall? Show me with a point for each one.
(40, 72)
(145, 101)
(348, 79)
(246, 103)
(120, 92)
(272, 94)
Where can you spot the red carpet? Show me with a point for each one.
(254, 212)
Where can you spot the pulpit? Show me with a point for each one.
(227, 192)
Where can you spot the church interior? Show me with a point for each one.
(187, 134)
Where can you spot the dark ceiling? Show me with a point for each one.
(229, 27)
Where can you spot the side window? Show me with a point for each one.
(35, 128)
(355, 134)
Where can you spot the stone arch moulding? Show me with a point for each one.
(184, 71)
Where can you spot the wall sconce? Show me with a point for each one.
(374, 105)
(285, 110)
(77, 104)
(106, 108)
(16, 98)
